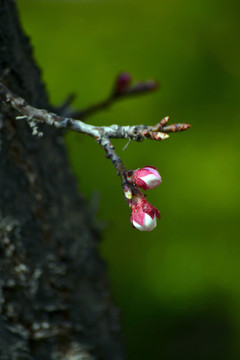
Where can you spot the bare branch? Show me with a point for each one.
(135, 132)
(141, 209)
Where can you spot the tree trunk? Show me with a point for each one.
(54, 295)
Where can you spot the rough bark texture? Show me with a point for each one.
(54, 297)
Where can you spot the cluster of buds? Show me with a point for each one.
(144, 215)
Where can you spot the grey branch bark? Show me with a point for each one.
(54, 294)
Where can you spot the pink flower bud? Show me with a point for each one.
(122, 82)
(143, 216)
(146, 178)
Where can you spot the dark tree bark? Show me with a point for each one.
(54, 296)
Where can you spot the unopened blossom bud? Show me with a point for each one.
(122, 82)
(144, 215)
(147, 178)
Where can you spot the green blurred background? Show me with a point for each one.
(178, 287)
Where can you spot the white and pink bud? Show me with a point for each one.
(146, 178)
(144, 215)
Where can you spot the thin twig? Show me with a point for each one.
(93, 109)
(122, 89)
